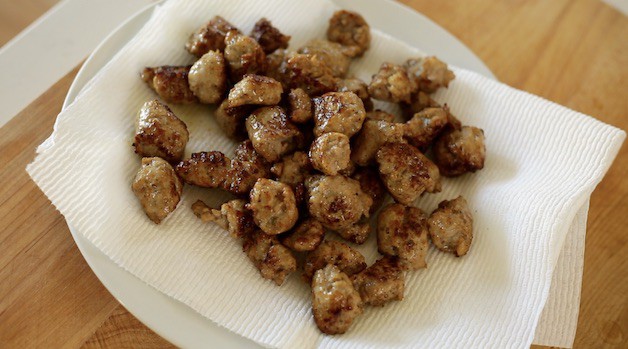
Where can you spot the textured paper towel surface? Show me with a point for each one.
(559, 319)
(543, 161)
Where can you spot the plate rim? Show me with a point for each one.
(183, 326)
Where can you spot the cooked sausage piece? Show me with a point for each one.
(402, 232)
(380, 283)
(335, 303)
(243, 55)
(425, 126)
(158, 132)
(347, 259)
(246, 168)
(357, 233)
(331, 53)
(337, 202)
(158, 188)
(305, 237)
(349, 170)
(231, 120)
(273, 66)
(372, 186)
(208, 77)
(293, 168)
(274, 261)
(233, 216)
(392, 84)
(372, 136)
(204, 169)
(351, 30)
(330, 153)
(170, 83)
(300, 195)
(406, 172)
(274, 206)
(380, 115)
(418, 102)
(271, 134)
(308, 72)
(459, 151)
(338, 112)
(209, 37)
(357, 86)
(451, 226)
(255, 90)
(269, 37)
(300, 106)
(429, 73)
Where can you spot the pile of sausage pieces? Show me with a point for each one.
(313, 159)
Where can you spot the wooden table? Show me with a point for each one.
(571, 52)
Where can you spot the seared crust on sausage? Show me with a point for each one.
(371, 185)
(209, 37)
(351, 30)
(271, 134)
(274, 261)
(255, 90)
(293, 168)
(170, 83)
(231, 120)
(331, 54)
(246, 168)
(402, 232)
(300, 106)
(232, 216)
(349, 260)
(406, 172)
(357, 233)
(451, 226)
(392, 84)
(274, 206)
(460, 151)
(418, 102)
(208, 77)
(159, 132)
(204, 169)
(269, 37)
(357, 86)
(306, 236)
(338, 112)
(158, 188)
(380, 283)
(429, 73)
(243, 55)
(308, 72)
(330, 153)
(425, 126)
(373, 135)
(337, 202)
(335, 303)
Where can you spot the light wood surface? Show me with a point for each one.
(572, 52)
(15, 15)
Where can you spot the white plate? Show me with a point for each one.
(169, 318)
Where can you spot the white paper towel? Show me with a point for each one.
(543, 161)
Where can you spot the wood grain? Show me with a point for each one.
(123, 330)
(571, 52)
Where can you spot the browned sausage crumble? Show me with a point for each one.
(269, 37)
(209, 37)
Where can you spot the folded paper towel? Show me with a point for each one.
(543, 162)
